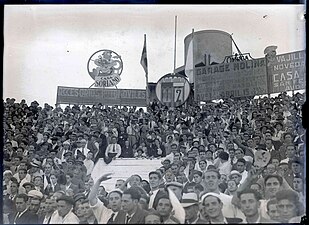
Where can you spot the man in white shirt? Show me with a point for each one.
(240, 167)
(50, 206)
(64, 214)
(88, 162)
(212, 180)
(81, 146)
(103, 214)
(174, 149)
(22, 177)
(113, 150)
(290, 153)
(222, 163)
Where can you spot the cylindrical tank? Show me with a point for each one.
(217, 43)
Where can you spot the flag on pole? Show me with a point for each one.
(189, 61)
(144, 57)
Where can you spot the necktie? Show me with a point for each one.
(49, 220)
(16, 217)
(111, 219)
(114, 148)
(128, 218)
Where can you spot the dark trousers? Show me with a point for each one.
(100, 154)
(109, 157)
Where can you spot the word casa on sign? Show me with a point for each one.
(290, 75)
(289, 81)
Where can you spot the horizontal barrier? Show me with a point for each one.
(123, 169)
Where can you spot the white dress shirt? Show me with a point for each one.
(101, 213)
(69, 218)
(84, 151)
(113, 148)
(244, 176)
(89, 164)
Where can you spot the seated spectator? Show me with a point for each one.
(156, 149)
(153, 217)
(23, 214)
(213, 206)
(140, 154)
(127, 150)
(272, 210)
(190, 204)
(222, 163)
(14, 189)
(88, 215)
(53, 186)
(113, 150)
(164, 206)
(88, 162)
(64, 214)
(251, 210)
(288, 205)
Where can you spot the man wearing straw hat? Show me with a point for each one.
(190, 204)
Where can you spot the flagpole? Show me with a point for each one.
(192, 38)
(147, 91)
(175, 45)
(173, 73)
(194, 85)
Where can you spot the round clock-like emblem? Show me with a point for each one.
(105, 67)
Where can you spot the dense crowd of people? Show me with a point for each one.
(235, 161)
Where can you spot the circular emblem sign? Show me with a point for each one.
(105, 67)
(173, 90)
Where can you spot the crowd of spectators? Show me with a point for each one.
(235, 161)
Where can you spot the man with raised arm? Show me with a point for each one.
(104, 214)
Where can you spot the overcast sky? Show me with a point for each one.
(46, 46)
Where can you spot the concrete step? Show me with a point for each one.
(123, 169)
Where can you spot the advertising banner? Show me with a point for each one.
(90, 96)
(235, 79)
(287, 72)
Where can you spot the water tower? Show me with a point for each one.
(217, 43)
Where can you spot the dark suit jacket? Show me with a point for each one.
(233, 220)
(48, 190)
(74, 187)
(127, 152)
(26, 218)
(264, 220)
(289, 179)
(201, 221)
(120, 218)
(138, 217)
(275, 154)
